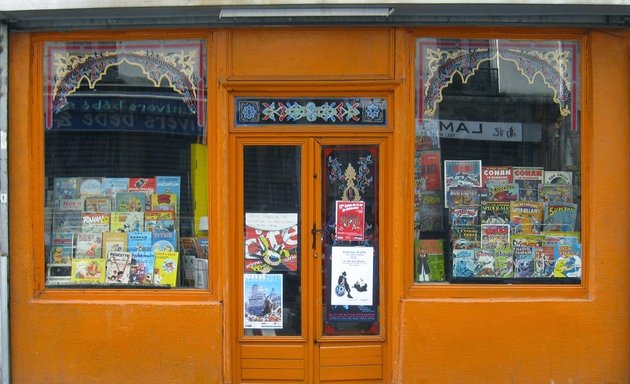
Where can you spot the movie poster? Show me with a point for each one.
(351, 273)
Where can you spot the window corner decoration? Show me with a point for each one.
(497, 162)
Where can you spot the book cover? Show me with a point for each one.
(429, 260)
(70, 204)
(89, 186)
(142, 266)
(463, 262)
(89, 245)
(139, 241)
(461, 173)
(503, 263)
(165, 241)
(427, 171)
(429, 211)
(127, 221)
(558, 177)
(159, 221)
(484, 263)
(526, 216)
(462, 196)
(523, 261)
(168, 184)
(163, 202)
(495, 212)
(131, 201)
(61, 248)
(117, 267)
(464, 237)
(464, 215)
(528, 179)
(65, 188)
(496, 174)
(495, 236)
(97, 204)
(544, 259)
(349, 220)
(560, 217)
(564, 238)
(145, 185)
(114, 242)
(165, 268)
(567, 260)
(110, 186)
(555, 193)
(67, 221)
(95, 222)
(88, 271)
(528, 240)
(498, 191)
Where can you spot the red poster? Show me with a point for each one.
(350, 220)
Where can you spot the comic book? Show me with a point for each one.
(544, 258)
(461, 173)
(163, 202)
(70, 204)
(159, 221)
(429, 211)
(164, 241)
(564, 238)
(89, 186)
(560, 217)
(503, 263)
(127, 221)
(496, 174)
(89, 246)
(528, 179)
(114, 242)
(61, 248)
(484, 263)
(468, 232)
(97, 204)
(168, 184)
(110, 186)
(165, 268)
(567, 260)
(464, 215)
(67, 221)
(523, 261)
(88, 271)
(495, 236)
(117, 267)
(131, 201)
(558, 177)
(429, 260)
(427, 171)
(66, 188)
(502, 191)
(95, 222)
(463, 262)
(139, 241)
(463, 196)
(495, 212)
(528, 240)
(526, 216)
(555, 193)
(142, 266)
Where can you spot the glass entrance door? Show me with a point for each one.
(309, 292)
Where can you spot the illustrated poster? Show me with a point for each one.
(350, 220)
(351, 273)
(271, 241)
(262, 301)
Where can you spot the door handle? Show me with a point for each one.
(314, 231)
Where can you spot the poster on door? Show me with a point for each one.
(262, 296)
(351, 273)
(271, 241)
(350, 220)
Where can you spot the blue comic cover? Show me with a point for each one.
(168, 184)
(139, 241)
(560, 217)
(461, 173)
(523, 261)
(463, 262)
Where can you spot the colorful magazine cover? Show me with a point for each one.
(159, 221)
(429, 260)
(567, 260)
(165, 241)
(165, 268)
(168, 184)
(127, 222)
(558, 177)
(110, 186)
(271, 241)
(139, 241)
(97, 204)
(427, 171)
(495, 212)
(528, 240)
(528, 180)
(95, 222)
(131, 202)
(463, 262)
(560, 217)
(163, 202)
(89, 245)
(484, 263)
(89, 186)
(66, 188)
(429, 211)
(502, 191)
(526, 216)
(563, 238)
(88, 271)
(461, 173)
(495, 236)
(349, 220)
(70, 204)
(142, 266)
(463, 196)
(523, 261)
(262, 301)
(117, 267)
(544, 259)
(145, 185)
(67, 221)
(114, 242)
(555, 193)
(464, 215)
(61, 250)
(504, 263)
(496, 174)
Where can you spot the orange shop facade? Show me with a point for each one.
(319, 204)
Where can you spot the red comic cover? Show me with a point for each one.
(428, 171)
(496, 174)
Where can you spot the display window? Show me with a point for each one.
(125, 174)
(497, 162)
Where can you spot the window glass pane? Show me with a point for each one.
(125, 173)
(497, 162)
